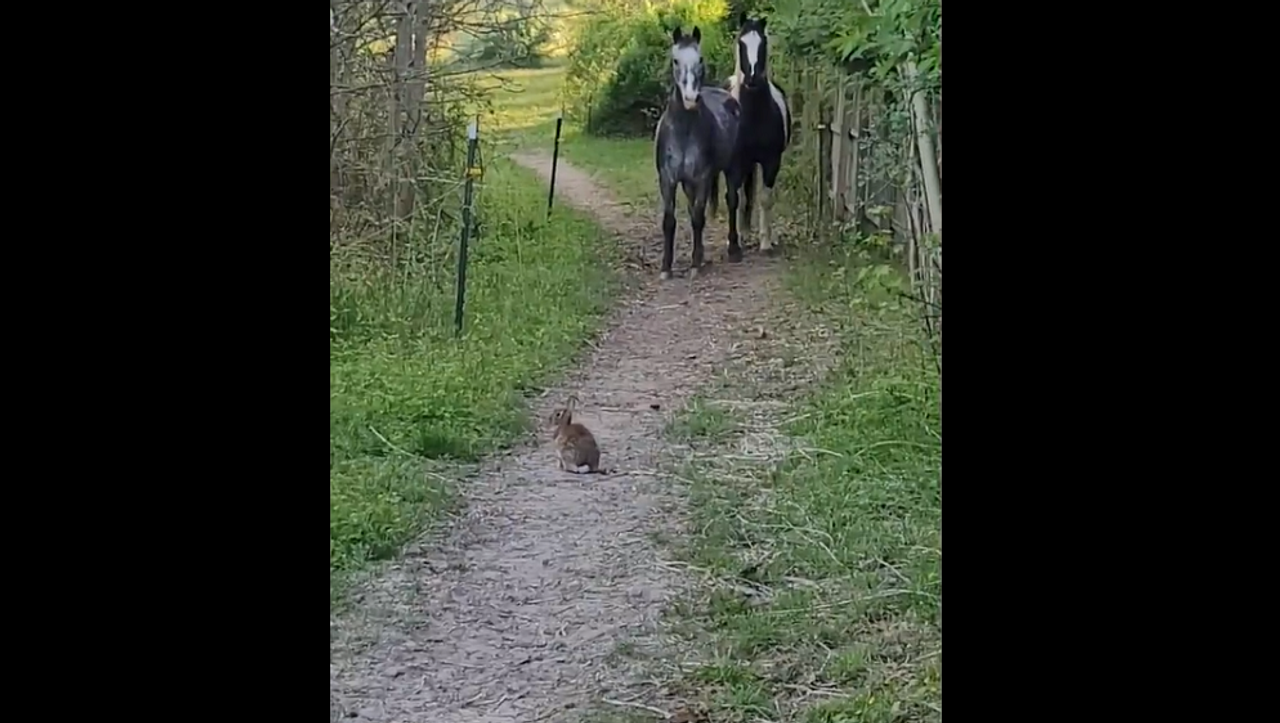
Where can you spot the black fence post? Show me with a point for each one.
(555, 161)
(473, 172)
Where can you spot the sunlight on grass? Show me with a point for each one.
(524, 108)
(522, 99)
(525, 104)
(625, 165)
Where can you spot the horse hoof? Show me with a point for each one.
(771, 252)
(735, 255)
(693, 273)
(665, 276)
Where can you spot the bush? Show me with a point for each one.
(619, 76)
(517, 41)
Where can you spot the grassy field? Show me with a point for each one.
(408, 402)
(524, 101)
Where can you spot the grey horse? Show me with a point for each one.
(694, 143)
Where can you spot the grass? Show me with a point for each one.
(525, 100)
(525, 108)
(825, 594)
(407, 401)
(700, 420)
(625, 164)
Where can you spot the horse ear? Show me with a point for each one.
(762, 23)
(697, 34)
(742, 19)
(677, 34)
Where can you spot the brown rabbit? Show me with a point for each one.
(576, 449)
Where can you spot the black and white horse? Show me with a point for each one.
(694, 143)
(765, 128)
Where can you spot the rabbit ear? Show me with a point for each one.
(573, 401)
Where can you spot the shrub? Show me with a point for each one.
(619, 76)
(517, 41)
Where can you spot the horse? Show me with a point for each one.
(765, 127)
(694, 143)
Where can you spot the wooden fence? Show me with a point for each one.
(858, 166)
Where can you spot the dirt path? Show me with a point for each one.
(511, 618)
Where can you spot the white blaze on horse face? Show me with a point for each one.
(751, 48)
(687, 60)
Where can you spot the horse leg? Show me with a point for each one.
(668, 189)
(713, 199)
(733, 181)
(749, 207)
(768, 176)
(697, 194)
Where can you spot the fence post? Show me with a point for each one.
(837, 151)
(853, 197)
(555, 161)
(473, 172)
(919, 105)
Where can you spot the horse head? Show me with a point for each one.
(753, 52)
(687, 69)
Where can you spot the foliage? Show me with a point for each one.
(394, 118)
(518, 37)
(619, 74)
(880, 33)
(893, 47)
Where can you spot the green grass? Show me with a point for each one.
(828, 596)
(700, 420)
(407, 401)
(525, 104)
(524, 101)
(625, 164)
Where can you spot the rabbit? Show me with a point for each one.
(576, 449)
